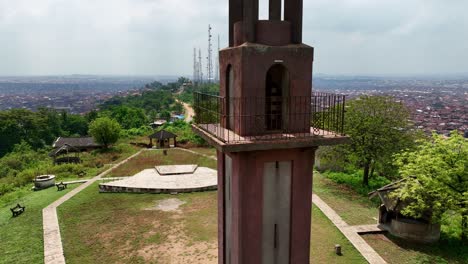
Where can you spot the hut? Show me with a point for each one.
(162, 138)
(65, 154)
(81, 143)
(391, 219)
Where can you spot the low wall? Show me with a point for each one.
(415, 230)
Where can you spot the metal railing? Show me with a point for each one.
(269, 118)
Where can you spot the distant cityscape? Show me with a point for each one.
(436, 104)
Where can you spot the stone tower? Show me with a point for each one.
(266, 125)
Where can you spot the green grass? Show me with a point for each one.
(399, 251)
(354, 208)
(21, 239)
(324, 237)
(118, 228)
(357, 209)
(149, 159)
(205, 151)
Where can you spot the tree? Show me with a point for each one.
(378, 127)
(105, 131)
(436, 178)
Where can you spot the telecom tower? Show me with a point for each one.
(209, 63)
(195, 67)
(217, 63)
(200, 71)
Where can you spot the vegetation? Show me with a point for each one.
(21, 237)
(185, 135)
(105, 131)
(436, 179)
(187, 235)
(38, 129)
(19, 167)
(378, 128)
(356, 209)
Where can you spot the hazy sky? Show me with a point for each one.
(149, 37)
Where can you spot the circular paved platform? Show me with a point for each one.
(150, 181)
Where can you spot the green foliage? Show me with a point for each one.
(128, 117)
(354, 180)
(208, 88)
(378, 128)
(436, 178)
(150, 100)
(38, 129)
(105, 131)
(184, 133)
(133, 132)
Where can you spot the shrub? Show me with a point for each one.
(354, 180)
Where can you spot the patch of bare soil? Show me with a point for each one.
(178, 249)
(167, 205)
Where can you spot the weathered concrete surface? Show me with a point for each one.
(369, 229)
(151, 181)
(349, 232)
(176, 169)
(53, 249)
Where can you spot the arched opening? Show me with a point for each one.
(276, 94)
(230, 97)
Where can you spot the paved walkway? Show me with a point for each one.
(350, 232)
(53, 249)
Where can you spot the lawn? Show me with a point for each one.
(205, 151)
(399, 251)
(124, 228)
(21, 239)
(351, 206)
(150, 158)
(356, 209)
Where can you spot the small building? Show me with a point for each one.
(80, 143)
(65, 154)
(391, 219)
(162, 138)
(158, 123)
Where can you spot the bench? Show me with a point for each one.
(61, 186)
(17, 210)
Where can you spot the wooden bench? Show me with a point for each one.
(61, 186)
(17, 210)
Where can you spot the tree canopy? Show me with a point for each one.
(436, 178)
(378, 127)
(105, 131)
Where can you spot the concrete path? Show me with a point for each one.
(53, 249)
(349, 232)
(369, 229)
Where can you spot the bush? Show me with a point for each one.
(184, 133)
(354, 180)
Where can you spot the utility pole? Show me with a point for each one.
(209, 63)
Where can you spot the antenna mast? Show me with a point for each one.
(195, 67)
(200, 71)
(217, 63)
(209, 63)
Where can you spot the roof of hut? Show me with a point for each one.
(78, 142)
(64, 149)
(162, 134)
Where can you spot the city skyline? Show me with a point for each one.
(144, 37)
